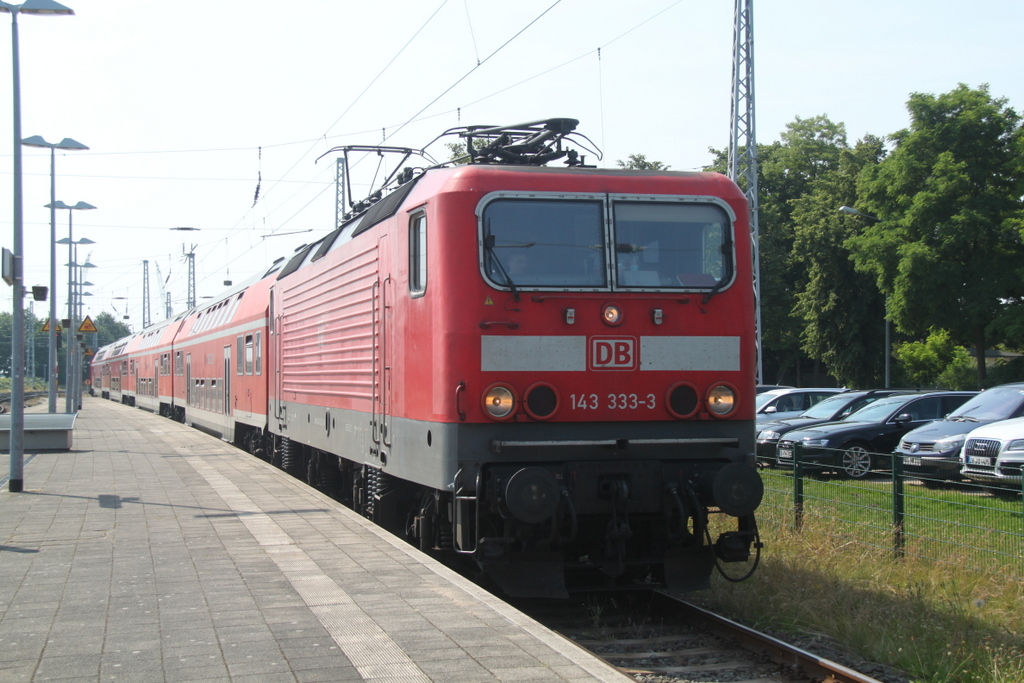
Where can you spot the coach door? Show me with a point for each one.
(227, 380)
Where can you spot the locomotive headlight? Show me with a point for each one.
(611, 314)
(721, 399)
(499, 401)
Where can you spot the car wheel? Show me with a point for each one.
(856, 460)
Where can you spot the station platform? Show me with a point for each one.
(154, 552)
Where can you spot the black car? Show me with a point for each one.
(852, 445)
(829, 410)
(933, 451)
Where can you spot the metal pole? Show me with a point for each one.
(52, 383)
(898, 509)
(71, 318)
(16, 482)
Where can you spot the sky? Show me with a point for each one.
(220, 116)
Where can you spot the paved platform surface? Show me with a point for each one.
(153, 552)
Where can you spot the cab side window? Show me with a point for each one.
(418, 254)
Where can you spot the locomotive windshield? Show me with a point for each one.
(543, 243)
(535, 243)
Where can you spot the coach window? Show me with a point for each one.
(259, 353)
(179, 367)
(418, 254)
(248, 354)
(240, 355)
(544, 242)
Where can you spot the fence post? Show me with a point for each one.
(798, 486)
(897, 505)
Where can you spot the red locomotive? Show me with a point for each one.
(550, 370)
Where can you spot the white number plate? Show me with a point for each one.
(979, 460)
(913, 462)
(785, 453)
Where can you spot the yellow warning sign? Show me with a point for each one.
(488, 302)
(87, 325)
(46, 327)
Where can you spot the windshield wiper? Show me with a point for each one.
(714, 290)
(489, 248)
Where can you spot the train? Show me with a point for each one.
(547, 372)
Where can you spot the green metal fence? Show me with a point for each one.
(967, 524)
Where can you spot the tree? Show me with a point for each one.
(935, 362)
(837, 304)
(809, 149)
(109, 330)
(947, 251)
(639, 162)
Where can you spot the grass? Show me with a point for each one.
(30, 384)
(935, 617)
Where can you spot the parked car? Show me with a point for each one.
(851, 446)
(933, 451)
(994, 453)
(779, 403)
(828, 410)
(761, 388)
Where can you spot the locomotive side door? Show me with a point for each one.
(381, 380)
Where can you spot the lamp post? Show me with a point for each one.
(850, 211)
(16, 481)
(66, 143)
(77, 384)
(72, 257)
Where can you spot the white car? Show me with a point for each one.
(994, 453)
(781, 403)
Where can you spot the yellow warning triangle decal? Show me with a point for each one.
(488, 302)
(87, 325)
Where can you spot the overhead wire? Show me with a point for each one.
(418, 116)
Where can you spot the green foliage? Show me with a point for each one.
(457, 152)
(948, 250)
(109, 329)
(836, 303)
(808, 153)
(935, 362)
(639, 162)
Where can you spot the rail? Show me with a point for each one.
(815, 667)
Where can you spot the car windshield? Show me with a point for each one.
(826, 408)
(763, 399)
(877, 411)
(997, 403)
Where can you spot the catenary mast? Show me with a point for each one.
(743, 141)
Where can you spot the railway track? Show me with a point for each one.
(656, 637)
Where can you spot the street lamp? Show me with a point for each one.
(72, 257)
(66, 143)
(16, 481)
(74, 304)
(849, 210)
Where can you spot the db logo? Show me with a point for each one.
(613, 353)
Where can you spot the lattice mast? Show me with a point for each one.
(191, 258)
(743, 141)
(146, 321)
